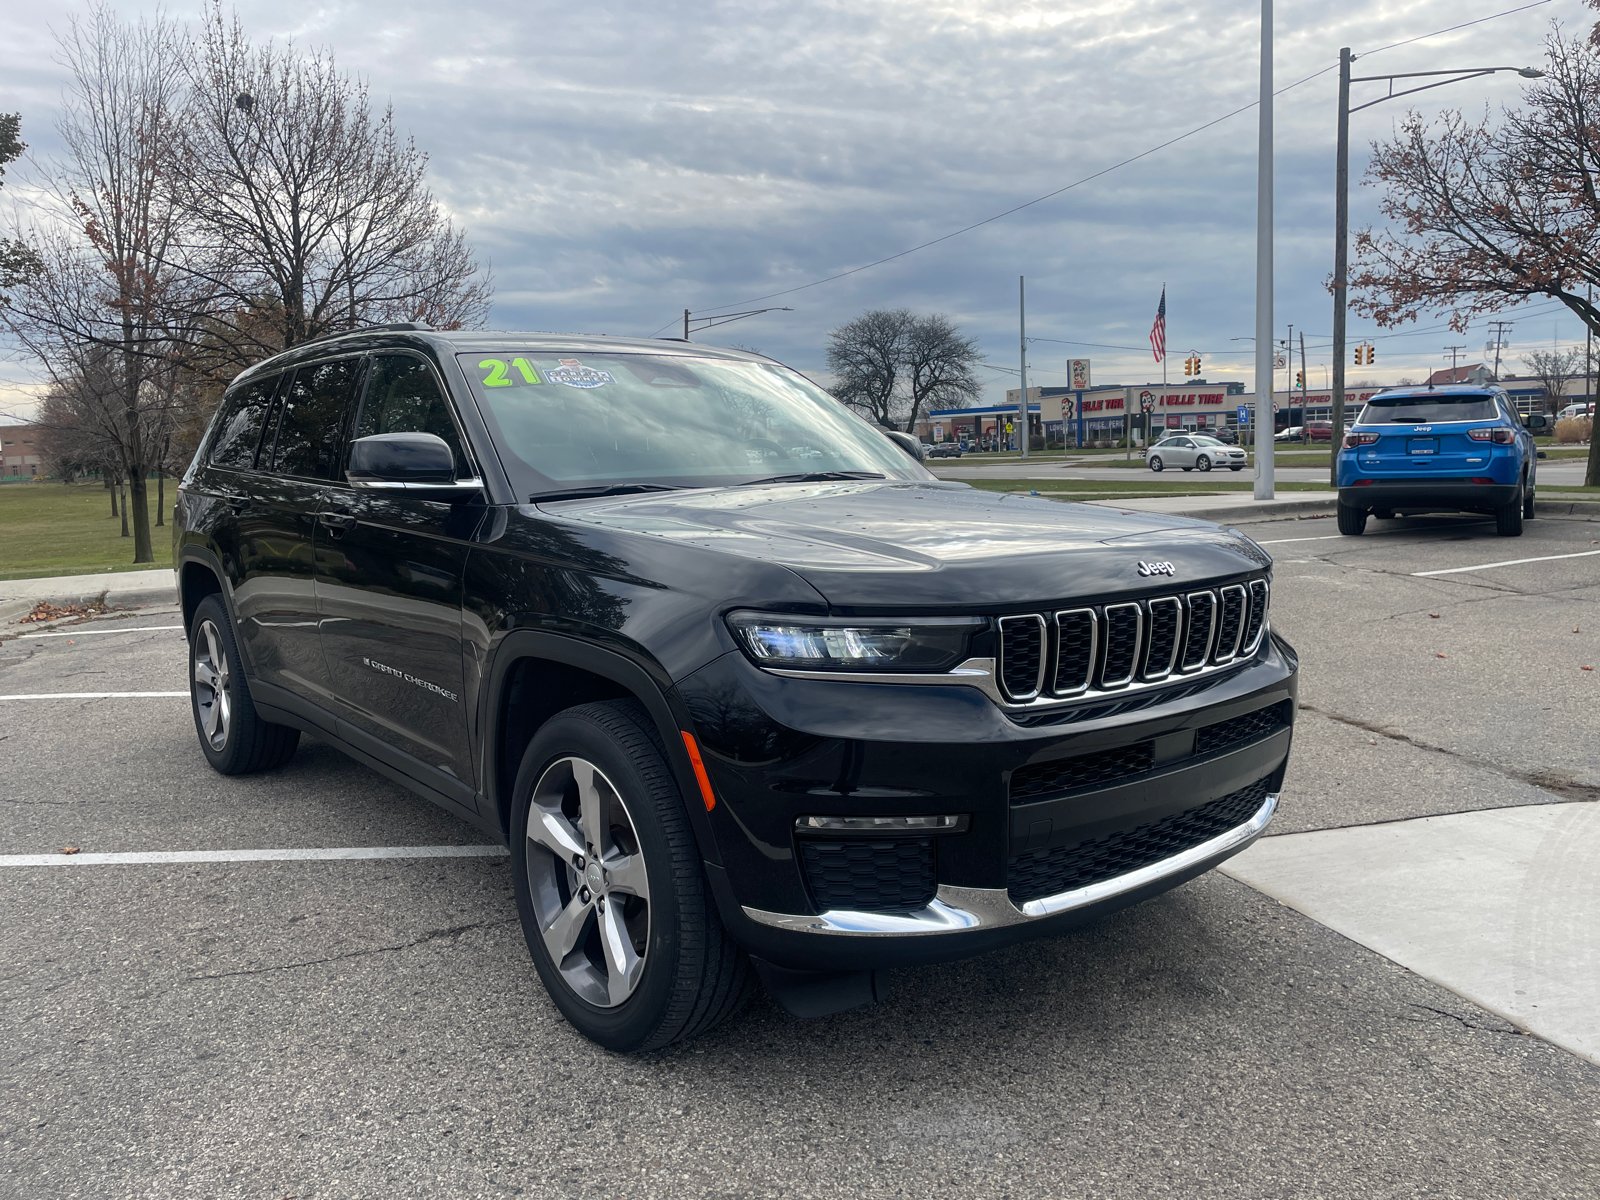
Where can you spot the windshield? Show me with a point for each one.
(581, 420)
(1427, 408)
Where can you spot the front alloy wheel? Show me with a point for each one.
(587, 881)
(1155, 462)
(213, 686)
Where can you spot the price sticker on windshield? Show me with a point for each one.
(500, 373)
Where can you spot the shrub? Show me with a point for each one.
(1574, 429)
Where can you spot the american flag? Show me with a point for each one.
(1158, 331)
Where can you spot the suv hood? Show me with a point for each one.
(912, 545)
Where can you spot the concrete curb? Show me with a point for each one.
(126, 589)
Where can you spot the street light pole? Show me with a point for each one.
(1022, 330)
(1341, 220)
(1264, 370)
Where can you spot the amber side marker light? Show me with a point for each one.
(699, 766)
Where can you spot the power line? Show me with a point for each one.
(1106, 170)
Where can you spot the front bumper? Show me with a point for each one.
(779, 748)
(1428, 495)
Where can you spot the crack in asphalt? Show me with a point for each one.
(1568, 789)
(431, 935)
(1507, 1030)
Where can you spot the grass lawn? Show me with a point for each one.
(67, 529)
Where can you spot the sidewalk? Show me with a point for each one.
(125, 588)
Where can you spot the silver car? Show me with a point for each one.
(1194, 450)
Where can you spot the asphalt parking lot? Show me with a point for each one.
(373, 1026)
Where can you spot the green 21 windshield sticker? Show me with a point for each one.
(500, 375)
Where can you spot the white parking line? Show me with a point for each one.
(86, 695)
(21, 637)
(151, 857)
(1510, 562)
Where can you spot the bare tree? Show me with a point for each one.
(1487, 214)
(106, 277)
(1555, 369)
(892, 365)
(313, 212)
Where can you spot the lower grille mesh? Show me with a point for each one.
(1037, 873)
(1248, 728)
(869, 875)
(1041, 779)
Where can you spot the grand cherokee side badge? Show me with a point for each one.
(1157, 568)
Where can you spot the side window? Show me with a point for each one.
(312, 418)
(239, 427)
(403, 397)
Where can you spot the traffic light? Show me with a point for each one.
(1364, 356)
(1191, 365)
(1300, 379)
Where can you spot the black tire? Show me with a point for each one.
(1203, 462)
(234, 739)
(1235, 468)
(1508, 517)
(1155, 462)
(1528, 502)
(1352, 521)
(1188, 468)
(693, 976)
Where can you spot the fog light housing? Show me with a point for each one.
(885, 826)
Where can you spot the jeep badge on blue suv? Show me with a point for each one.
(745, 690)
(1444, 449)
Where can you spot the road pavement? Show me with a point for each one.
(373, 1027)
(1553, 473)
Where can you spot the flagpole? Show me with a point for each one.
(1163, 331)
(1265, 426)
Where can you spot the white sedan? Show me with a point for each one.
(1194, 451)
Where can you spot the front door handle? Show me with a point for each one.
(337, 520)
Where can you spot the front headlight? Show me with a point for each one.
(854, 644)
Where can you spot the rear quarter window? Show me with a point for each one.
(244, 415)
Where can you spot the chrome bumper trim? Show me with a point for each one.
(957, 909)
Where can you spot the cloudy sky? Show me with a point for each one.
(619, 161)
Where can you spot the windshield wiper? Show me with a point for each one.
(815, 477)
(604, 489)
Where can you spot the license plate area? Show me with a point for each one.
(1422, 445)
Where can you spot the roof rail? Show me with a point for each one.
(391, 327)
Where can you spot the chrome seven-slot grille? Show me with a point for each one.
(1103, 648)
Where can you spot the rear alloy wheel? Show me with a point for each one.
(1155, 462)
(233, 738)
(1203, 462)
(1352, 521)
(614, 902)
(1508, 517)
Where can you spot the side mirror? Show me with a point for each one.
(401, 460)
(1535, 422)
(906, 442)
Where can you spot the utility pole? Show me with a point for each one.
(1588, 355)
(1499, 329)
(1341, 260)
(1264, 372)
(1305, 381)
(1022, 333)
(686, 324)
(1455, 357)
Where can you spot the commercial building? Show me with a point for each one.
(18, 453)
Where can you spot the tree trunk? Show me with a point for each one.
(122, 486)
(1591, 477)
(161, 495)
(111, 487)
(138, 469)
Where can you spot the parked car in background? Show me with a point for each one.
(1291, 434)
(1576, 410)
(1443, 449)
(1319, 431)
(1224, 434)
(943, 450)
(1193, 451)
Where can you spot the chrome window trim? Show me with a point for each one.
(1044, 654)
(1211, 632)
(1094, 653)
(386, 485)
(1177, 638)
(1244, 619)
(958, 909)
(1138, 645)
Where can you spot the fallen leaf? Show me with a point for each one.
(1435, 616)
(74, 849)
(1441, 656)
(1585, 668)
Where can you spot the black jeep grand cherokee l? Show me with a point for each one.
(735, 677)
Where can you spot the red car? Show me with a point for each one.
(1319, 431)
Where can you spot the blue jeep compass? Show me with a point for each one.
(1444, 449)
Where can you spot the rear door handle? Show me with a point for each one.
(337, 520)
